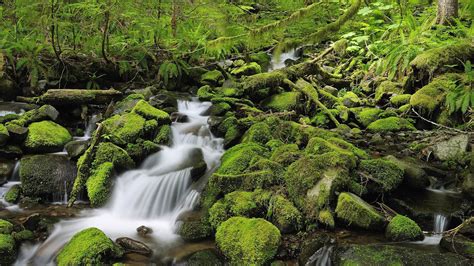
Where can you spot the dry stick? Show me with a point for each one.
(436, 124)
(308, 89)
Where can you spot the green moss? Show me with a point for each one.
(231, 129)
(147, 111)
(127, 104)
(390, 124)
(247, 70)
(259, 133)
(301, 176)
(46, 136)
(23, 235)
(195, 230)
(326, 218)
(237, 203)
(319, 146)
(387, 87)
(45, 112)
(213, 77)
(400, 100)
(13, 194)
(206, 93)
(3, 134)
(350, 99)
(7, 249)
(385, 176)
(142, 149)
(262, 58)
(164, 136)
(402, 228)
(109, 152)
(238, 158)
(5, 227)
(431, 97)
(286, 154)
(99, 183)
(150, 128)
(248, 241)
(219, 109)
(125, 128)
(271, 79)
(354, 211)
(88, 247)
(365, 116)
(285, 101)
(284, 215)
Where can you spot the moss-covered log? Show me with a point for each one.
(73, 97)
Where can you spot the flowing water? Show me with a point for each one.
(278, 61)
(153, 195)
(90, 126)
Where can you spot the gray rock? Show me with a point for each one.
(17, 133)
(414, 176)
(144, 230)
(131, 245)
(76, 148)
(451, 148)
(6, 170)
(10, 152)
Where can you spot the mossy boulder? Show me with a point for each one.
(5, 227)
(326, 218)
(109, 152)
(354, 211)
(383, 175)
(231, 130)
(284, 215)
(237, 159)
(350, 99)
(45, 112)
(286, 154)
(285, 101)
(204, 257)
(123, 129)
(127, 104)
(248, 241)
(365, 116)
(387, 88)
(88, 247)
(142, 149)
(459, 244)
(164, 136)
(262, 58)
(247, 70)
(4, 135)
(214, 78)
(400, 100)
(390, 124)
(23, 235)
(319, 146)
(414, 176)
(99, 183)
(402, 228)
(46, 137)
(13, 194)
(258, 132)
(7, 249)
(147, 111)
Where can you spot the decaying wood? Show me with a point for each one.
(59, 97)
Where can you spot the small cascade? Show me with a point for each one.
(153, 195)
(16, 172)
(13, 180)
(440, 223)
(322, 257)
(90, 126)
(278, 61)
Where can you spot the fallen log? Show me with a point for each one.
(59, 97)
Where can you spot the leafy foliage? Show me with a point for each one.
(461, 98)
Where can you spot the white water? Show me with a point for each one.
(278, 61)
(13, 180)
(322, 257)
(90, 126)
(153, 195)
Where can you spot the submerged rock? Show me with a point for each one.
(402, 228)
(248, 241)
(354, 211)
(131, 245)
(88, 247)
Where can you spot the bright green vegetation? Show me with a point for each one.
(285, 216)
(149, 112)
(258, 132)
(400, 100)
(109, 152)
(125, 128)
(402, 228)
(23, 235)
(89, 246)
(356, 212)
(7, 249)
(164, 136)
(99, 183)
(365, 116)
(385, 175)
(5, 227)
(390, 124)
(46, 136)
(3, 134)
(285, 101)
(247, 70)
(248, 241)
(13, 194)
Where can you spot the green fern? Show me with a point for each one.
(461, 98)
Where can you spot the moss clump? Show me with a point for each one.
(164, 136)
(271, 79)
(99, 183)
(402, 228)
(259, 133)
(7, 249)
(23, 235)
(125, 128)
(213, 77)
(45, 112)
(109, 152)
(247, 70)
(195, 230)
(387, 87)
(205, 93)
(13, 194)
(262, 58)
(147, 111)
(127, 104)
(319, 146)
(5, 227)
(4, 135)
(301, 176)
(286, 154)
(142, 149)
(285, 101)
(45, 137)
(284, 215)
(237, 203)
(326, 218)
(390, 124)
(431, 97)
(248, 241)
(231, 129)
(400, 100)
(385, 176)
(88, 247)
(150, 128)
(238, 158)
(365, 116)
(354, 211)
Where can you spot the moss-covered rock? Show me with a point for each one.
(247, 70)
(109, 152)
(326, 218)
(5, 227)
(13, 194)
(365, 116)
(46, 137)
(147, 111)
(402, 228)
(262, 58)
(214, 78)
(390, 124)
(459, 244)
(248, 241)
(125, 128)
(319, 146)
(204, 257)
(354, 211)
(238, 158)
(350, 99)
(258, 132)
(285, 101)
(7, 249)
(23, 235)
(127, 104)
(387, 88)
(99, 183)
(194, 226)
(231, 129)
(286, 154)
(414, 176)
(164, 136)
(284, 215)
(400, 100)
(142, 149)
(4, 135)
(45, 112)
(384, 176)
(88, 247)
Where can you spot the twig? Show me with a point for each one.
(436, 124)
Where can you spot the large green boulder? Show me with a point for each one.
(385, 176)
(109, 152)
(147, 111)
(284, 215)
(45, 112)
(402, 228)
(365, 116)
(4, 135)
(285, 101)
(354, 211)
(89, 247)
(247, 70)
(247, 241)
(236, 159)
(213, 78)
(390, 124)
(7, 249)
(123, 129)
(99, 183)
(5, 227)
(387, 88)
(46, 137)
(258, 132)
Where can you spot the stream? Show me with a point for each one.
(152, 195)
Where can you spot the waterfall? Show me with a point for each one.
(13, 180)
(278, 61)
(322, 257)
(152, 195)
(440, 223)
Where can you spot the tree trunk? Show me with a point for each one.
(447, 11)
(62, 97)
